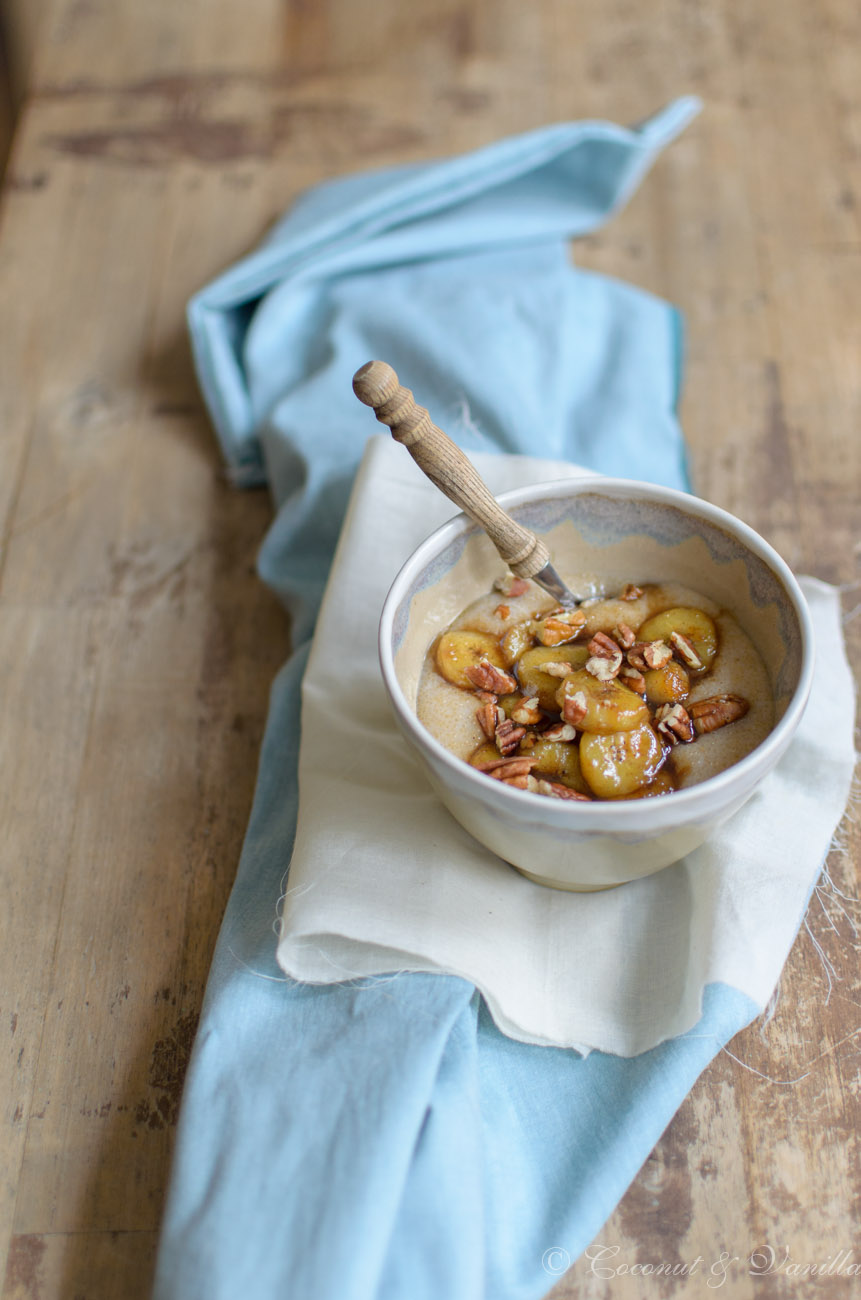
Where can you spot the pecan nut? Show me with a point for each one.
(657, 654)
(563, 731)
(508, 736)
(717, 711)
(527, 712)
(634, 655)
(603, 668)
(489, 717)
(511, 586)
(686, 650)
(561, 625)
(624, 635)
(631, 592)
(673, 721)
(649, 654)
(574, 708)
(502, 767)
(554, 669)
(487, 677)
(556, 790)
(602, 646)
(633, 679)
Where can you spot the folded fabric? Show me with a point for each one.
(619, 970)
(381, 1139)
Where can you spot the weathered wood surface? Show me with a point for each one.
(156, 143)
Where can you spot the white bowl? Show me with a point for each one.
(616, 531)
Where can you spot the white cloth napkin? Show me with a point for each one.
(383, 879)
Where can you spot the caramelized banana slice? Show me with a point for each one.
(486, 753)
(662, 784)
(680, 625)
(605, 707)
(667, 685)
(536, 682)
(620, 763)
(517, 641)
(560, 761)
(458, 651)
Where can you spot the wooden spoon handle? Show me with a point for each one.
(376, 384)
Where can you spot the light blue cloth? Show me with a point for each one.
(382, 1140)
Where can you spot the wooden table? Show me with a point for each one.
(156, 144)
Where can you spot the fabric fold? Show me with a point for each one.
(249, 327)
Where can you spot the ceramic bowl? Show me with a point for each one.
(616, 531)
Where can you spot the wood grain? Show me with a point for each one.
(136, 645)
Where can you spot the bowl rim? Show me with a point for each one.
(623, 813)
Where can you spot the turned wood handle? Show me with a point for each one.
(376, 384)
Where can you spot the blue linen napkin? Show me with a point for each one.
(381, 1139)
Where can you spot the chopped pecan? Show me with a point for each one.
(561, 730)
(574, 708)
(602, 646)
(489, 716)
(527, 712)
(556, 790)
(555, 669)
(717, 711)
(512, 766)
(487, 677)
(502, 611)
(604, 669)
(674, 722)
(685, 649)
(649, 654)
(657, 654)
(519, 782)
(511, 586)
(560, 625)
(508, 736)
(634, 655)
(626, 636)
(633, 679)
(631, 592)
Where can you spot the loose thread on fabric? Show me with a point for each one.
(829, 895)
(273, 979)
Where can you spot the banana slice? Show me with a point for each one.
(559, 760)
(457, 651)
(667, 685)
(517, 641)
(486, 753)
(607, 707)
(544, 685)
(686, 622)
(662, 784)
(620, 763)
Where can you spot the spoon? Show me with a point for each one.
(376, 384)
